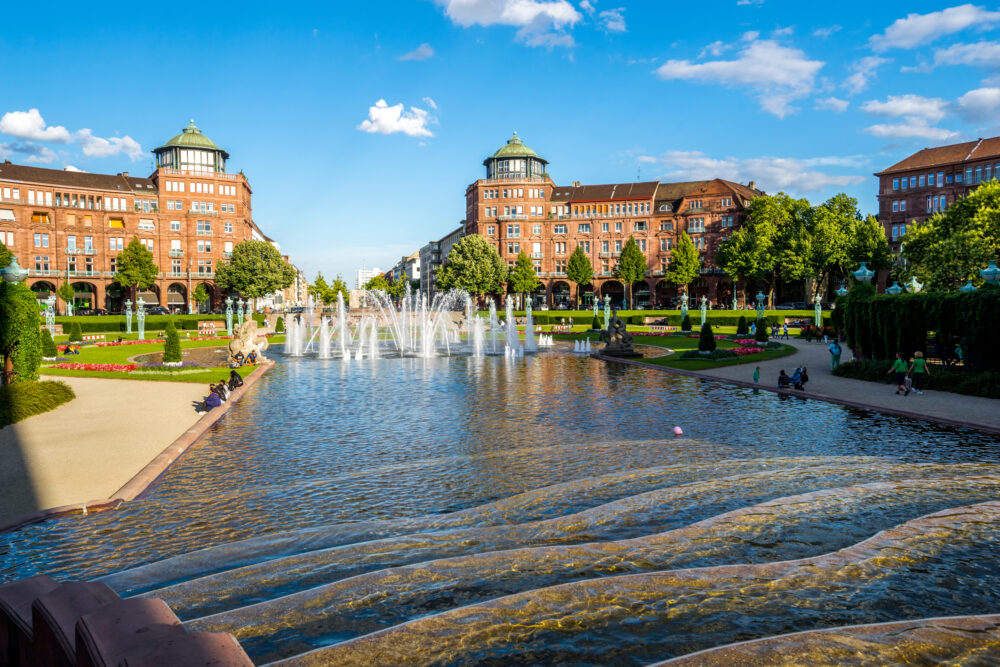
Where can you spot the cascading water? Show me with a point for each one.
(478, 336)
(324, 338)
(529, 329)
(510, 328)
(494, 326)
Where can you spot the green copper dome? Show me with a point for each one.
(515, 148)
(192, 137)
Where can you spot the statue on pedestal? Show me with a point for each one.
(245, 340)
(618, 341)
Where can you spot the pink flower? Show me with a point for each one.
(743, 351)
(115, 368)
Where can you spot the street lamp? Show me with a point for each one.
(760, 305)
(229, 315)
(128, 316)
(914, 285)
(894, 290)
(967, 287)
(818, 311)
(991, 274)
(14, 273)
(842, 291)
(863, 274)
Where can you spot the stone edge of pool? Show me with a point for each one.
(978, 426)
(146, 478)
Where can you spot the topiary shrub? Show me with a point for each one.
(20, 336)
(742, 328)
(686, 323)
(172, 346)
(761, 333)
(596, 324)
(707, 341)
(49, 349)
(279, 325)
(75, 333)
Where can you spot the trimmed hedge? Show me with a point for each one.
(49, 348)
(75, 333)
(105, 323)
(941, 378)
(24, 399)
(742, 328)
(723, 318)
(279, 325)
(172, 344)
(706, 342)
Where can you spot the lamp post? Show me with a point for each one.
(818, 312)
(895, 289)
(607, 310)
(913, 286)
(239, 311)
(128, 316)
(684, 306)
(863, 274)
(842, 291)
(967, 287)
(229, 315)
(735, 305)
(50, 312)
(140, 317)
(991, 274)
(704, 309)
(13, 273)
(760, 305)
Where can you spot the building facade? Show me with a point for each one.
(433, 255)
(70, 226)
(518, 207)
(362, 276)
(931, 179)
(408, 266)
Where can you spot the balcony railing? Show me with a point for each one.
(176, 274)
(557, 274)
(607, 273)
(200, 174)
(203, 274)
(204, 232)
(227, 255)
(516, 178)
(44, 272)
(604, 254)
(176, 253)
(84, 274)
(195, 211)
(514, 216)
(537, 255)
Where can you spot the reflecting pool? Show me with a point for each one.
(538, 510)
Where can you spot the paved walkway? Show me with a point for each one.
(823, 384)
(90, 447)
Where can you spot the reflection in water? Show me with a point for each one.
(484, 511)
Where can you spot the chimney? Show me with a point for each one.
(751, 185)
(125, 174)
(576, 184)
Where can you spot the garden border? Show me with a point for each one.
(143, 481)
(988, 428)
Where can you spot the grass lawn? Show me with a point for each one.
(681, 343)
(25, 399)
(119, 354)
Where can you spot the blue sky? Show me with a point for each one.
(809, 98)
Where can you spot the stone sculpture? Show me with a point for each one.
(246, 340)
(618, 341)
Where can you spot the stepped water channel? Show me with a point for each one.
(536, 509)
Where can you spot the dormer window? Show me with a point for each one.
(666, 208)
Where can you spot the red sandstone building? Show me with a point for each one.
(930, 180)
(69, 226)
(518, 207)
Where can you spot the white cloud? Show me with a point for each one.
(430, 102)
(716, 48)
(756, 3)
(750, 35)
(776, 74)
(912, 128)
(539, 22)
(385, 119)
(823, 33)
(29, 151)
(611, 20)
(832, 104)
(422, 52)
(100, 147)
(982, 54)
(918, 29)
(588, 7)
(70, 167)
(770, 173)
(783, 32)
(931, 109)
(863, 73)
(30, 125)
(982, 104)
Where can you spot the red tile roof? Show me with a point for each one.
(943, 155)
(75, 179)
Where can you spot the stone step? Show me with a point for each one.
(15, 618)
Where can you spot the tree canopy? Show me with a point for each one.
(200, 294)
(135, 266)
(5, 256)
(256, 269)
(579, 269)
(66, 292)
(473, 265)
(20, 339)
(685, 262)
(378, 284)
(522, 278)
(631, 265)
(954, 245)
(325, 293)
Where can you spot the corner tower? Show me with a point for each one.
(515, 161)
(191, 151)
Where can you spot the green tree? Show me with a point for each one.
(397, 288)
(319, 289)
(475, 266)
(279, 325)
(840, 238)
(49, 349)
(867, 243)
(136, 268)
(706, 342)
(5, 256)
(339, 286)
(172, 344)
(631, 267)
(760, 335)
(256, 269)
(953, 246)
(75, 333)
(378, 284)
(685, 262)
(522, 279)
(200, 294)
(579, 270)
(20, 338)
(741, 327)
(66, 293)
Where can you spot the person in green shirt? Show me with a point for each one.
(899, 368)
(919, 370)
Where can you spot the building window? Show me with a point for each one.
(605, 247)
(696, 224)
(514, 231)
(902, 205)
(204, 226)
(41, 262)
(695, 203)
(968, 175)
(727, 221)
(604, 226)
(666, 226)
(639, 226)
(642, 245)
(175, 225)
(920, 180)
(699, 242)
(204, 245)
(41, 240)
(986, 172)
(930, 180)
(618, 246)
(513, 247)
(913, 181)
(618, 226)
(943, 202)
(583, 228)
(560, 248)
(979, 175)
(536, 229)
(491, 230)
(930, 206)
(958, 177)
(895, 206)
(559, 229)
(176, 266)
(38, 217)
(726, 201)
(204, 266)
(585, 245)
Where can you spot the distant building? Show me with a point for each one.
(362, 276)
(408, 266)
(927, 182)
(432, 256)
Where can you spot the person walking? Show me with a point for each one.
(919, 370)
(835, 353)
(756, 375)
(784, 330)
(899, 368)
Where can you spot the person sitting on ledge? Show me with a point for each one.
(235, 380)
(239, 359)
(797, 378)
(119, 339)
(220, 392)
(783, 380)
(223, 389)
(211, 401)
(252, 358)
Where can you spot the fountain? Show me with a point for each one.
(510, 327)
(529, 329)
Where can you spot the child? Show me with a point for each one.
(756, 375)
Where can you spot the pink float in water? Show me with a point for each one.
(678, 431)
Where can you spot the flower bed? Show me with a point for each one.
(744, 351)
(746, 341)
(715, 336)
(114, 368)
(130, 342)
